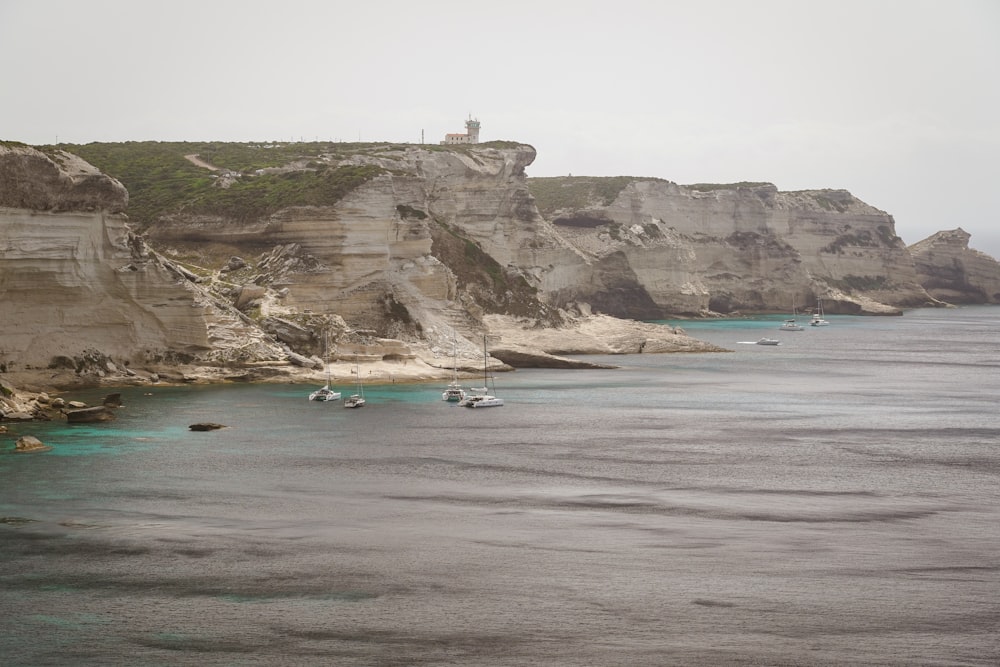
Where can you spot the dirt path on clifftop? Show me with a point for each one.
(194, 159)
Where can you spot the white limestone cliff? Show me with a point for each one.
(441, 246)
(742, 247)
(952, 271)
(87, 300)
(78, 289)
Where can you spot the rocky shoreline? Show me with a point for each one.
(514, 343)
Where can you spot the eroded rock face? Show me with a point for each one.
(75, 279)
(393, 255)
(674, 249)
(427, 252)
(397, 249)
(57, 181)
(952, 271)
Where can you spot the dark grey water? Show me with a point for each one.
(834, 500)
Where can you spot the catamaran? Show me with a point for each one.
(454, 392)
(817, 318)
(356, 400)
(325, 393)
(790, 324)
(482, 398)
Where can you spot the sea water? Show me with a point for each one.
(832, 500)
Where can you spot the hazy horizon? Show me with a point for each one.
(892, 100)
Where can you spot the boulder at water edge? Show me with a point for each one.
(29, 443)
(92, 415)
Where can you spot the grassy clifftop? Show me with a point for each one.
(259, 178)
(560, 193)
(161, 180)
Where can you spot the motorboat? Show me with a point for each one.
(768, 341)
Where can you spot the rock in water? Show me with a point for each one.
(206, 426)
(29, 443)
(92, 415)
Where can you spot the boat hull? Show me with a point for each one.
(453, 395)
(484, 402)
(325, 394)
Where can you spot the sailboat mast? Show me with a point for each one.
(326, 357)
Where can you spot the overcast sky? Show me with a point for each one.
(897, 101)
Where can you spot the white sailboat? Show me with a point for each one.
(454, 392)
(356, 400)
(791, 324)
(817, 318)
(482, 398)
(325, 393)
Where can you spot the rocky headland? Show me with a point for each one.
(273, 263)
(953, 272)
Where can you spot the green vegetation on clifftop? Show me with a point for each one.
(161, 180)
(260, 178)
(560, 193)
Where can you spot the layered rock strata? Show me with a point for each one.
(79, 290)
(658, 247)
(952, 271)
(88, 300)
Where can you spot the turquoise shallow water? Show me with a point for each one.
(830, 500)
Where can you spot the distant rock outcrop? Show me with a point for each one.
(655, 247)
(952, 271)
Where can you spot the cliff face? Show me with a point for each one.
(667, 248)
(952, 271)
(433, 243)
(428, 247)
(77, 286)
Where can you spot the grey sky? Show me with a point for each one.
(897, 101)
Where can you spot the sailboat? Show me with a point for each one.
(483, 398)
(817, 318)
(356, 400)
(791, 324)
(454, 391)
(325, 393)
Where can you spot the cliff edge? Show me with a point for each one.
(952, 271)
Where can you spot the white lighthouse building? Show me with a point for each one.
(471, 135)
